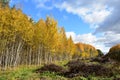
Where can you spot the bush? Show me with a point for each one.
(100, 53)
(114, 53)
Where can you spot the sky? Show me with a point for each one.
(95, 22)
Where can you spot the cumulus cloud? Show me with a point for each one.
(110, 27)
(84, 38)
(110, 39)
(112, 22)
(93, 12)
(89, 38)
(103, 15)
(104, 42)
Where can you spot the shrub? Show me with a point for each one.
(114, 53)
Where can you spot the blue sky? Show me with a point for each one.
(70, 22)
(86, 21)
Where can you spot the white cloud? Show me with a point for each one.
(89, 38)
(112, 22)
(84, 38)
(90, 11)
(102, 15)
(93, 12)
(72, 34)
(110, 38)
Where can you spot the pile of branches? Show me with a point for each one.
(77, 68)
(51, 68)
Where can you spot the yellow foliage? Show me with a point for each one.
(32, 42)
(114, 52)
(86, 50)
(115, 48)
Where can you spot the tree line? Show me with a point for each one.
(25, 42)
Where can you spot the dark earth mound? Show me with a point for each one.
(101, 60)
(117, 79)
(51, 68)
(77, 68)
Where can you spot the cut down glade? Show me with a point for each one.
(77, 68)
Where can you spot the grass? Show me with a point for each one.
(23, 73)
(18, 74)
(28, 73)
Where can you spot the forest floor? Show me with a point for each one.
(88, 69)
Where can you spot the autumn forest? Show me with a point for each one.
(41, 50)
(25, 42)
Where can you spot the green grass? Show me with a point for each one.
(18, 74)
(52, 76)
(28, 73)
